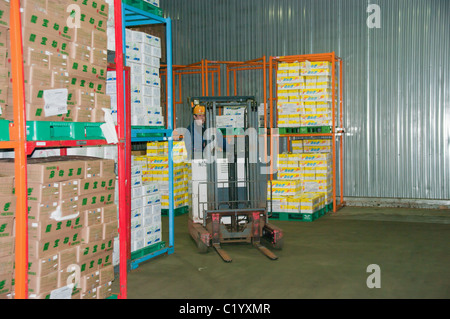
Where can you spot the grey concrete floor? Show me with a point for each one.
(326, 259)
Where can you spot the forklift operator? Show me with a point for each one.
(196, 144)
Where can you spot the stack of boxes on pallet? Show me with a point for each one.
(145, 209)
(304, 94)
(64, 65)
(7, 239)
(143, 55)
(304, 183)
(156, 164)
(72, 225)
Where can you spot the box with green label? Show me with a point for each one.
(7, 206)
(43, 192)
(6, 226)
(86, 251)
(35, 16)
(43, 266)
(48, 169)
(89, 201)
(44, 229)
(97, 184)
(49, 246)
(45, 42)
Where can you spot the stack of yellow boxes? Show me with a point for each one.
(64, 65)
(157, 171)
(72, 222)
(304, 94)
(304, 183)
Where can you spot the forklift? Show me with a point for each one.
(228, 190)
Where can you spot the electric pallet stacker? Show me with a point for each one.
(228, 190)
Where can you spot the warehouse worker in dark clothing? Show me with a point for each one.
(196, 142)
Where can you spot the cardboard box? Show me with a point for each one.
(109, 213)
(51, 245)
(99, 57)
(104, 291)
(86, 70)
(49, 169)
(34, 15)
(92, 233)
(67, 274)
(38, 211)
(58, 62)
(48, 192)
(96, 184)
(91, 217)
(5, 285)
(40, 284)
(99, 39)
(45, 42)
(43, 266)
(90, 281)
(68, 206)
(7, 264)
(110, 230)
(106, 275)
(4, 10)
(86, 98)
(37, 76)
(97, 116)
(68, 189)
(6, 226)
(6, 184)
(67, 257)
(87, 251)
(46, 229)
(6, 246)
(80, 52)
(102, 101)
(4, 36)
(83, 36)
(7, 206)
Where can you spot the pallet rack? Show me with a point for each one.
(336, 129)
(136, 13)
(128, 16)
(23, 147)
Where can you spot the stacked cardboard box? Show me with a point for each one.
(143, 55)
(311, 146)
(145, 209)
(156, 170)
(64, 65)
(304, 94)
(7, 239)
(304, 182)
(232, 117)
(72, 223)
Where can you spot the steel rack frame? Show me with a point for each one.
(22, 147)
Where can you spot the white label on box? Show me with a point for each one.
(55, 102)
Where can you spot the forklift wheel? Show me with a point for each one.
(279, 244)
(201, 246)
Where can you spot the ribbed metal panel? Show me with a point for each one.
(396, 78)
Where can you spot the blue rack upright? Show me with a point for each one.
(133, 16)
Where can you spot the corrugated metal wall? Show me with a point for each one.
(396, 87)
